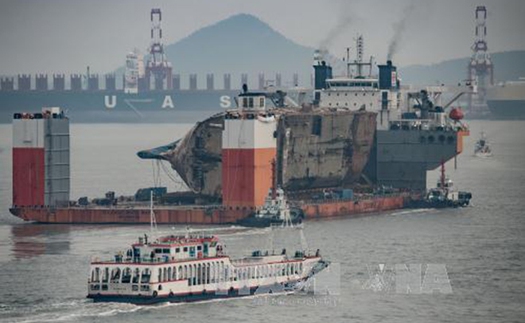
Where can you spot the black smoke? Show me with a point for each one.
(399, 29)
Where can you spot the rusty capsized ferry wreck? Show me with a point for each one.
(361, 132)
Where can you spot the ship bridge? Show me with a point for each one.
(252, 101)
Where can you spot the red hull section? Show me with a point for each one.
(246, 176)
(28, 176)
(372, 205)
(199, 215)
(129, 216)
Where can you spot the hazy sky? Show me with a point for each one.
(65, 35)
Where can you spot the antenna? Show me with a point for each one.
(359, 54)
(358, 62)
(153, 220)
(348, 62)
(304, 243)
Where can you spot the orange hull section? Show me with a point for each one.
(246, 176)
(199, 215)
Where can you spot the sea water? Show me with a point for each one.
(475, 254)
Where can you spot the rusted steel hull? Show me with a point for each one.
(200, 215)
(364, 206)
(129, 216)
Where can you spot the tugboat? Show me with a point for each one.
(482, 148)
(188, 268)
(444, 195)
(275, 212)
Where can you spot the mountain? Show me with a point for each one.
(508, 65)
(244, 44)
(239, 44)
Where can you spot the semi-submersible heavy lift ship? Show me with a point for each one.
(357, 135)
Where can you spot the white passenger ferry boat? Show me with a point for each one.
(194, 268)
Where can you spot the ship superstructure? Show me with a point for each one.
(191, 267)
(249, 146)
(41, 172)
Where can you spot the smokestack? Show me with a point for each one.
(387, 76)
(322, 72)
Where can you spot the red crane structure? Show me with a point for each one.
(158, 66)
(480, 68)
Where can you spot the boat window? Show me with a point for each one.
(126, 276)
(158, 250)
(146, 275)
(250, 102)
(199, 247)
(194, 274)
(261, 102)
(105, 275)
(177, 250)
(166, 251)
(136, 276)
(244, 102)
(95, 275)
(192, 251)
(115, 275)
(185, 249)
